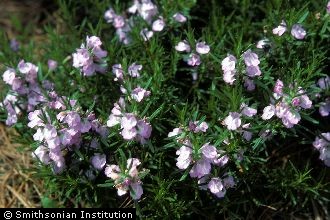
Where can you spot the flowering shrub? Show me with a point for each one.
(232, 95)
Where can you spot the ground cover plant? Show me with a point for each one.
(177, 108)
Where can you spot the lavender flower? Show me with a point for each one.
(185, 156)
(127, 180)
(109, 15)
(202, 48)
(324, 83)
(35, 119)
(179, 17)
(249, 84)
(43, 155)
(29, 70)
(209, 151)
(216, 187)
(232, 121)
(194, 60)
(147, 10)
(144, 130)
(183, 46)
(52, 65)
(124, 34)
(8, 76)
(14, 45)
(118, 21)
(158, 25)
(98, 161)
(280, 30)
(248, 111)
(118, 72)
(228, 67)
(253, 71)
(90, 58)
(268, 112)
(132, 127)
(278, 88)
(133, 70)
(175, 132)
(146, 34)
(201, 168)
(322, 144)
(250, 58)
(197, 126)
(324, 108)
(247, 135)
(128, 121)
(287, 108)
(298, 31)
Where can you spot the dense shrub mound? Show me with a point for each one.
(177, 108)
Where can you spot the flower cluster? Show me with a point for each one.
(70, 139)
(207, 154)
(148, 10)
(157, 26)
(65, 133)
(200, 158)
(145, 9)
(193, 58)
(122, 25)
(252, 68)
(133, 71)
(25, 91)
(60, 125)
(287, 106)
(297, 30)
(216, 185)
(132, 128)
(47, 134)
(322, 144)
(252, 62)
(57, 119)
(138, 94)
(233, 121)
(89, 58)
(194, 126)
(128, 179)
